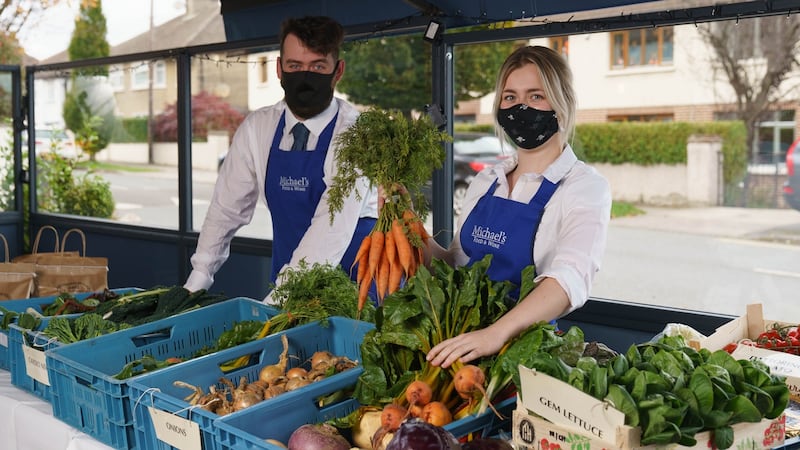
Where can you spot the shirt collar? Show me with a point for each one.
(557, 170)
(315, 124)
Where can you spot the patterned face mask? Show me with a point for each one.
(528, 127)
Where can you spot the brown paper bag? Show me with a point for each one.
(16, 279)
(68, 273)
(35, 253)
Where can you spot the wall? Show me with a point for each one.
(205, 155)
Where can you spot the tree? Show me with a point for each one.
(395, 72)
(89, 37)
(755, 56)
(209, 112)
(89, 105)
(16, 15)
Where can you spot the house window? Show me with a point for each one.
(116, 77)
(141, 75)
(645, 47)
(560, 44)
(263, 73)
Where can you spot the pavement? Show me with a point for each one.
(772, 225)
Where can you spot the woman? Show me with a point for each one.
(542, 206)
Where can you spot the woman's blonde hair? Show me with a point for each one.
(556, 79)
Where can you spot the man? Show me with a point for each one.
(284, 155)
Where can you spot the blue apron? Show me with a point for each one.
(293, 187)
(502, 227)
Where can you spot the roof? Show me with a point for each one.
(201, 24)
(259, 20)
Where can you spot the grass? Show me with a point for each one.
(624, 209)
(100, 166)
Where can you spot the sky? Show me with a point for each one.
(124, 19)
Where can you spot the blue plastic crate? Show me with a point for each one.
(249, 429)
(20, 337)
(341, 337)
(85, 393)
(36, 304)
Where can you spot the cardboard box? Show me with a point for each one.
(535, 433)
(750, 326)
(551, 414)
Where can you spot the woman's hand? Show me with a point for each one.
(465, 347)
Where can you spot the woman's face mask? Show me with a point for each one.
(307, 93)
(528, 127)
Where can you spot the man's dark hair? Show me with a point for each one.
(320, 34)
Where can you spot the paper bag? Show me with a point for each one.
(68, 273)
(35, 253)
(16, 279)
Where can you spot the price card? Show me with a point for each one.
(175, 431)
(35, 365)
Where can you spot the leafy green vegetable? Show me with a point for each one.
(435, 304)
(389, 149)
(313, 293)
(68, 330)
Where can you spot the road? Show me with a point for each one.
(701, 259)
(699, 272)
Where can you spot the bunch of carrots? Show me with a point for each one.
(394, 249)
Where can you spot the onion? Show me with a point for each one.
(317, 437)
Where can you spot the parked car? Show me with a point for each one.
(791, 188)
(49, 139)
(472, 152)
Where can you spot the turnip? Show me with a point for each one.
(317, 437)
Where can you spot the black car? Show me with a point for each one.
(472, 152)
(791, 188)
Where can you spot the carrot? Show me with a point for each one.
(363, 267)
(363, 289)
(404, 248)
(389, 247)
(395, 277)
(382, 281)
(363, 249)
(375, 251)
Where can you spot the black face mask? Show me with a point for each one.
(307, 93)
(528, 127)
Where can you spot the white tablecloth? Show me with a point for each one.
(27, 423)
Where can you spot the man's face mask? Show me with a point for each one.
(307, 93)
(528, 127)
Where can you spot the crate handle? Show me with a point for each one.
(152, 337)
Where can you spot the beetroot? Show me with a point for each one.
(317, 437)
(487, 444)
(416, 434)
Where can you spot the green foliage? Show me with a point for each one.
(624, 209)
(11, 51)
(395, 72)
(89, 196)
(132, 129)
(59, 191)
(650, 143)
(89, 38)
(6, 170)
(389, 149)
(88, 112)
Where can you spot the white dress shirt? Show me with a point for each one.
(240, 185)
(571, 239)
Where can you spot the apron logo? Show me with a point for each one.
(294, 184)
(485, 236)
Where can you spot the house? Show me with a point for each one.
(131, 83)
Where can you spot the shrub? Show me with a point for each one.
(209, 112)
(90, 196)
